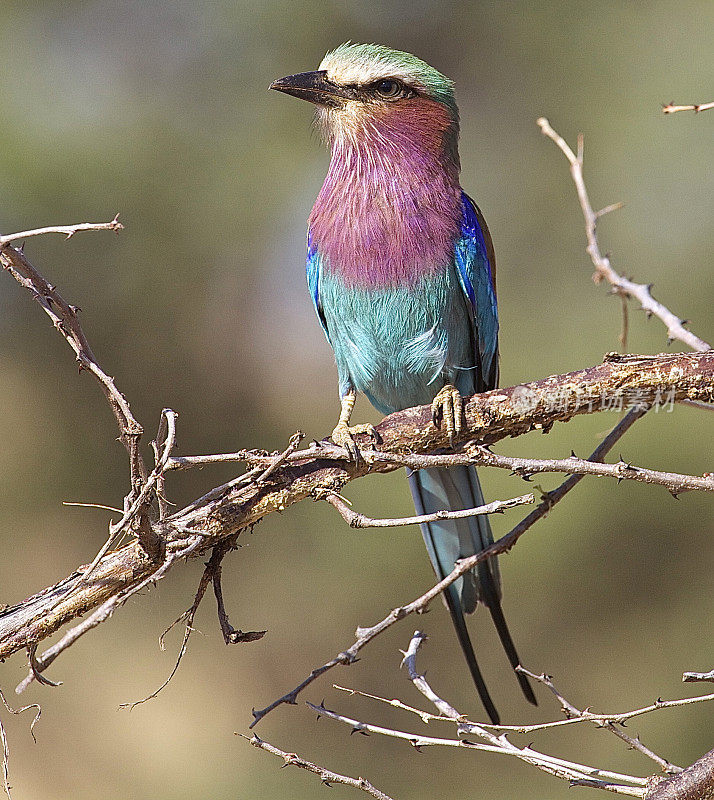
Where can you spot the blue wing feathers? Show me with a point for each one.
(476, 275)
(313, 281)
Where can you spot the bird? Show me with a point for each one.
(401, 271)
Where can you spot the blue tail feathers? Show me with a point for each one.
(457, 488)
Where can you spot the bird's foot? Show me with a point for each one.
(448, 406)
(343, 436)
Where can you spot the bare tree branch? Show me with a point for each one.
(576, 774)
(694, 783)
(690, 677)
(700, 776)
(65, 230)
(356, 520)
(168, 418)
(65, 319)
(123, 591)
(585, 716)
(632, 742)
(230, 508)
(425, 716)
(525, 467)
(603, 269)
(3, 739)
(326, 776)
(671, 108)
(409, 661)
(188, 617)
(471, 453)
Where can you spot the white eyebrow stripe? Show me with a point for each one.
(361, 72)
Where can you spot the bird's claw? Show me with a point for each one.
(343, 436)
(448, 406)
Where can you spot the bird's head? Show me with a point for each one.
(370, 92)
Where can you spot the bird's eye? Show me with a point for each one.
(388, 89)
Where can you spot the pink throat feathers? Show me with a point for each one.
(389, 211)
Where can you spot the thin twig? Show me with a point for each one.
(568, 770)
(480, 456)
(93, 505)
(230, 634)
(603, 269)
(690, 677)
(66, 230)
(419, 680)
(65, 318)
(425, 716)
(327, 776)
(258, 456)
(632, 742)
(161, 433)
(35, 667)
(140, 501)
(586, 716)
(625, 323)
(357, 520)
(189, 615)
(671, 108)
(3, 739)
(281, 458)
(211, 574)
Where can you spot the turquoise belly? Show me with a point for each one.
(399, 345)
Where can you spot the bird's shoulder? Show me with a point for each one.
(475, 243)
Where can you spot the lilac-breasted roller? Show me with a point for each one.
(401, 271)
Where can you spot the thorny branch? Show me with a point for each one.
(572, 712)
(480, 456)
(3, 738)
(65, 318)
(498, 741)
(356, 520)
(603, 269)
(476, 455)
(671, 108)
(690, 677)
(587, 715)
(577, 774)
(123, 590)
(211, 574)
(65, 230)
(326, 776)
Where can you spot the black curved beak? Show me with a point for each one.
(314, 87)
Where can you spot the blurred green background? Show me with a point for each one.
(159, 110)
